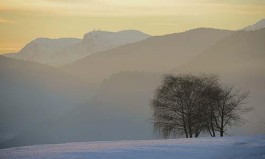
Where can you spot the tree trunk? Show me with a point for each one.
(184, 122)
(222, 133)
(197, 134)
(212, 126)
(210, 132)
(190, 132)
(222, 126)
(189, 125)
(212, 129)
(185, 127)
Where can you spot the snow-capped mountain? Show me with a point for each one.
(259, 25)
(58, 52)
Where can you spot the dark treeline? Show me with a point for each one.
(189, 105)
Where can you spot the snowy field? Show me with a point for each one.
(201, 148)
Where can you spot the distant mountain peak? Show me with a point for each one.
(61, 51)
(41, 39)
(258, 25)
(97, 41)
(110, 33)
(121, 31)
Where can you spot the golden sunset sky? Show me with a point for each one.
(24, 20)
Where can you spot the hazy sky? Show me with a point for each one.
(23, 20)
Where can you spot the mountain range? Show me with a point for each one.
(59, 52)
(106, 95)
(155, 54)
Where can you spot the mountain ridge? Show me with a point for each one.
(158, 53)
(256, 26)
(61, 51)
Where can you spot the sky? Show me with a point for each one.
(21, 21)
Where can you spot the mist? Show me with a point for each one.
(100, 88)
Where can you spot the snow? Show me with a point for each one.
(248, 147)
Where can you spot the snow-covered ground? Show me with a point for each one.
(252, 147)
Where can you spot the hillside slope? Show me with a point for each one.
(31, 93)
(154, 54)
(120, 110)
(258, 25)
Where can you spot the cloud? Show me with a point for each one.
(7, 50)
(6, 21)
(133, 7)
(164, 24)
(72, 1)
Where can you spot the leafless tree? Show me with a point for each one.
(188, 105)
(179, 104)
(228, 104)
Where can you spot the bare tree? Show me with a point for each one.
(179, 105)
(228, 105)
(188, 105)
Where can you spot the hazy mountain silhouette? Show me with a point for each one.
(58, 52)
(119, 111)
(155, 54)
(258, 25)
(31, 93)
(97, 41)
